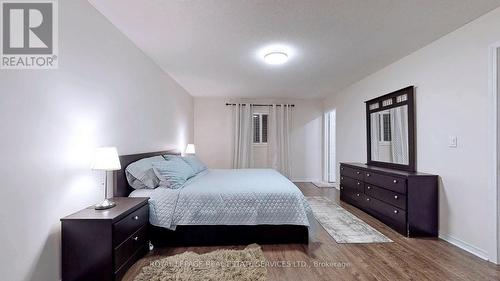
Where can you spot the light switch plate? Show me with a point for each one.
(453, 141)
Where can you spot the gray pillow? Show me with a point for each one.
(195, 163)
(173, 171)
(191, 160)
(140, 174)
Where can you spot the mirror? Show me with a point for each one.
(390, 130)
(389, 135)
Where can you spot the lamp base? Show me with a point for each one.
(106, 204)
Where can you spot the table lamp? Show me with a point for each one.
(106, 159)
(190, 149)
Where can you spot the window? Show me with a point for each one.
(384, 127)
(374, 106)
(259, 128)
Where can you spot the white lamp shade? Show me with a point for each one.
(106, 158)
(190, 149)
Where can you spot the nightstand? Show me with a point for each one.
(103, 244)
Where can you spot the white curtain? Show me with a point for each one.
(242, 136)
(374, 134)
(399, 134)
(279, 138)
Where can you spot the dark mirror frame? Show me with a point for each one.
(410, 102)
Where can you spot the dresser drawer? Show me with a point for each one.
(345, 188)
(351, 172)
(353, 184)
(120, 272)
(346, 196)
(395, 214)
(387, 196)
(130, 224)
(353, 197)
(125, 250)
(393, 183)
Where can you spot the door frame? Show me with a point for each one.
(493, 86)
(326, 148)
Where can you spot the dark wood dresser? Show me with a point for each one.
(103, 244)
(405, 201)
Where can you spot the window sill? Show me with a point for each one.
(259, 144)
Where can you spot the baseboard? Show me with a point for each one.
(465, 246)
(303, 180)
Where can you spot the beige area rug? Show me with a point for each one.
(343, 226)
(221, 265)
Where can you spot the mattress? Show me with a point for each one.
(229, 197)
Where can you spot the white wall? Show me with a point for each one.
(497, 105)
(213, 135)
(452, 99)
(105, 92)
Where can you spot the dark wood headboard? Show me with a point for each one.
(121, 188)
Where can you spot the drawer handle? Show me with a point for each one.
(357, 194)
(396, 211)
(136, 238)
(367, 199)
(342, 168)
(341, 187)
(136, 217)
(367, 175)
(395, 181)
(359, 183)
(341, 178)
(396, 197)
(358, 173)
(369, 187)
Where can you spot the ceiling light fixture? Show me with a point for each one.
(276, 58)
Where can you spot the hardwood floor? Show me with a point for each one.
(405, 259)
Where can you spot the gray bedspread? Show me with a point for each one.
(229, 197)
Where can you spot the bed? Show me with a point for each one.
(223, 207)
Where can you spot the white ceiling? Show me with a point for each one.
(211, 47)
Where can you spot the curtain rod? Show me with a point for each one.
(253, 104)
